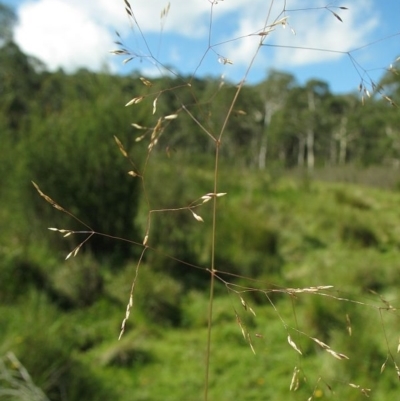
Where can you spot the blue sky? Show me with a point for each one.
(196, 36)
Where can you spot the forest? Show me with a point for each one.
(307, 236)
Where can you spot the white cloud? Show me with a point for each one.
(190, 18)
(61, 33)
(317, 29)
(79, 33)
(320, 29)
(76, 33)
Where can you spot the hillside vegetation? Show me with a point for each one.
(306, 265)
(62, 319)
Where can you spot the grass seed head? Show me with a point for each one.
(293, 345)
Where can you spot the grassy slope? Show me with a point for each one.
(328, 234)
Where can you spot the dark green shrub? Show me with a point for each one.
(159, 297)
(358, 234)
(72, 156)
(79, 281)
(57, 372)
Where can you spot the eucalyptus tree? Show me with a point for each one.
(7, 22)
(301, 124)
(18, 82)
(386, 98)
(389, 85)
(316, 92)
(342, 114)
(274, 92)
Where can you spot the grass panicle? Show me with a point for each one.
(239, 287)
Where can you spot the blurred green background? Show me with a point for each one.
(312, 199)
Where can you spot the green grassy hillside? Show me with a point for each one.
(62, 318)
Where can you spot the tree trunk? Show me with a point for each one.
(262, 154)
(300, 155)
(332, 151)
(310, 148)
(310, 130)
(343, 139)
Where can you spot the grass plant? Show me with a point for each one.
(271, 335)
